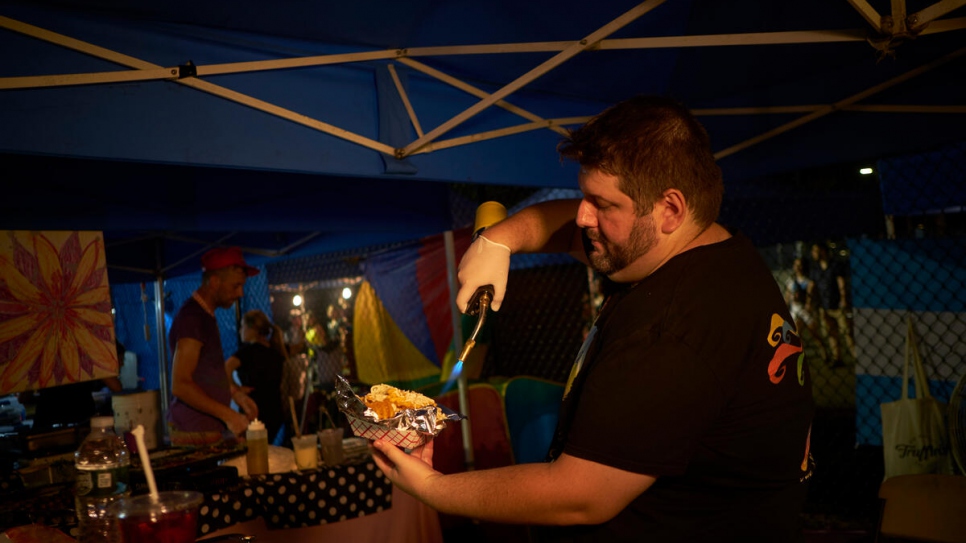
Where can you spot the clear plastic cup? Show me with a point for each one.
(172, 518)
(306, 451)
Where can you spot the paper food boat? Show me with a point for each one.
(407, 439)
(408, 429)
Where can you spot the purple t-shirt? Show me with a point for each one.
(192, 321)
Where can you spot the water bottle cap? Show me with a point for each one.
(256, 425)
(102, 422)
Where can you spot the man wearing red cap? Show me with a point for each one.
(200, 412)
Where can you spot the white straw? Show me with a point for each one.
(145, 461)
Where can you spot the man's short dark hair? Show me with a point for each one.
(651, 144)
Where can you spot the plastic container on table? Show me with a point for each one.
(102, 465)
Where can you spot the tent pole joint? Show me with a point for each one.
(187, 70)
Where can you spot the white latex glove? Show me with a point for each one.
(485, 263)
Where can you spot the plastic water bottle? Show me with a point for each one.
(102, 465)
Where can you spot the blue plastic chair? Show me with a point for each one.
(532, 407)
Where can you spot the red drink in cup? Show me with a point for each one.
(172, 518)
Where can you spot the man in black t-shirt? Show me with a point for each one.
(688, 411)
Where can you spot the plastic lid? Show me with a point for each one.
(144, 506)
(102, 422)
(256, 425)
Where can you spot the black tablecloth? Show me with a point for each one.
(300, 499)
(285, 500)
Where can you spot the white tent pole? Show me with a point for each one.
(868, 13)
(162, 355)
(296, 62)
(464, 402)
(405, 98)
(930, 13)
(500, 132)
(558, 59)
(899, 21)
(470, 89)
(290, 115)
(96, 78)
(75, 44)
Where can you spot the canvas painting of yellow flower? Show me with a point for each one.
(55, 310)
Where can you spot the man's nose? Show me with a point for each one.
(585, 215)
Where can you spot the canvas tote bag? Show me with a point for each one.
(914, 435)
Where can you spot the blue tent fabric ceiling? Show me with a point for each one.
(223, 133)
(393, 119)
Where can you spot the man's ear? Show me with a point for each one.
(674, 211)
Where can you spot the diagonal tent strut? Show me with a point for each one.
(901, 23)
(193, 82)
(558, 59)
(465, 87)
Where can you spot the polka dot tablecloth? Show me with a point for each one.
(300, 499)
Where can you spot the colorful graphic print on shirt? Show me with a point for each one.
(784, 337)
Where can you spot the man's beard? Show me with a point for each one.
(612, 258)
(225, 302)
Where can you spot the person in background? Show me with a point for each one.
(688, 411)
(316, 335)
(828, 290)
(200, 412)
(295, 335)
(325, 341)
(259, 361)
(798, 296)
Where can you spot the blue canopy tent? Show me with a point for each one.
(467, 91)
(295, 128)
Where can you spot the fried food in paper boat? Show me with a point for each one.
(404, 418)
